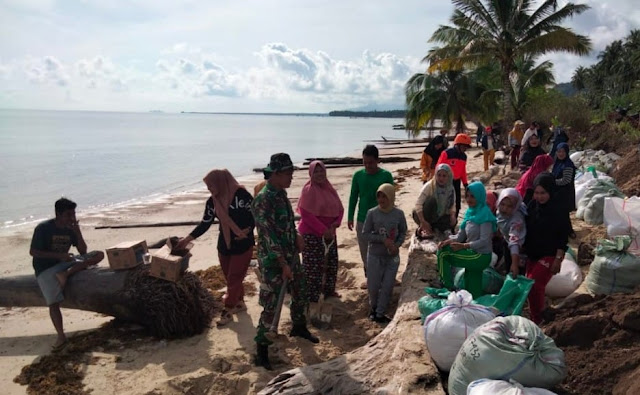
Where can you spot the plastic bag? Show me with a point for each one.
(499, 387)
(613, 269)
(622, 217)
(508, 348)
(566, 281)
(491, 280)
(429, 304)
(446, 329)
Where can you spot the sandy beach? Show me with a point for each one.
(221, 359)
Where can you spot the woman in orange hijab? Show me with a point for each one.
(230, 202)
(321, 212)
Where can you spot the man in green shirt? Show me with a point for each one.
(364, 185)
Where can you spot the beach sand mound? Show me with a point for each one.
(601, 339)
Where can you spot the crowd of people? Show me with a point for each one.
(532, 219)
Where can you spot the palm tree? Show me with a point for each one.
(528, 75)
(450, 96)
(500, 31)
(580, 78)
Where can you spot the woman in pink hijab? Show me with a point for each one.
(321, 212)
(525, 184)
(230, 202)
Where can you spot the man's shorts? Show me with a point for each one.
(48, 282)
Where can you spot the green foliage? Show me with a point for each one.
(500, 32)
(549, 105)
(617, 73)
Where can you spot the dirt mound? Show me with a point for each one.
(604, 135)
(626, 173)
(601, 340)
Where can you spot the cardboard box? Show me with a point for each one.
(127, 254)
(168, 266)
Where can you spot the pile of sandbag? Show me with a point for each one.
(597, 159)
(591, 204)
(566, 281)
(446, 329)
(622, 218)
(508, 348)
(500, 387)
(613, 269)
(584, 180)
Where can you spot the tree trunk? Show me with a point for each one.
(98, 290)
(166, 309)
(394, 362)
(507, 109)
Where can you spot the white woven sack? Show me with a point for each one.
(499, 387)
(446, 329)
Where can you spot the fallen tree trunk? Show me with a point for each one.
(356, 161)
(394, 362)
(167, 309)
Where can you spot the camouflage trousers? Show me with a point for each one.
(270, 286)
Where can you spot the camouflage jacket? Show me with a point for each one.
(276, 227)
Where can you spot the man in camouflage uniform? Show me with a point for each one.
(279, 245)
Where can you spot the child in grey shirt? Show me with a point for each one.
(385, 228)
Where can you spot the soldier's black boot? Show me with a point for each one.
(303, 332)
(262, 357)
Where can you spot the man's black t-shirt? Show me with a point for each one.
(48, 237)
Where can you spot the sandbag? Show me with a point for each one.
(613, 269)
(622, 217)
(576, 156)
(446, 329)
(566, 281)
(591, 205)
(499, 387)
(508, 348)
(491, 280)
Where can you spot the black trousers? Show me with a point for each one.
(456, 187)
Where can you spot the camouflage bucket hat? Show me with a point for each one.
(279, 162)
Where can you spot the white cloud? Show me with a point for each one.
(46, 70)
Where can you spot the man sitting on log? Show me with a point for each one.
(53, 263)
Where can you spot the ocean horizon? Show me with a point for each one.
(106, 159)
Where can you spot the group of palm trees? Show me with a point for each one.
(616, 73)
(487, 61)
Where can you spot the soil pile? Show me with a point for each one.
(601, 340)
(626, 173)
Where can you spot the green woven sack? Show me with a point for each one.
(491, 280)
(613, 270)
(508, 348)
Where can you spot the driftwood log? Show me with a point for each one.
(394, 362)
(356, 161)
(89, 290)
(166, 309)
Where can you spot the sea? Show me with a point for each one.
(105, 159)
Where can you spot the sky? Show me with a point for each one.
(237, 56)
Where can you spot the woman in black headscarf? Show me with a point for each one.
(546, 242)
(530, 151)
(430, 157)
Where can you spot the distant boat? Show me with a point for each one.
(398, 127)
